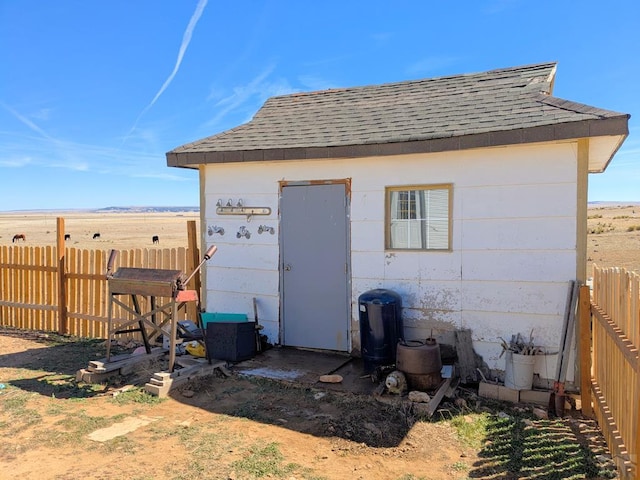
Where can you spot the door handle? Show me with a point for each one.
(287, 267)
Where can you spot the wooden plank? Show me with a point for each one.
(437, 398)
(12, 285)
(585, 350)
(72, 262)
(83, 305)
(37, 284)
(173, 380)
(28, 298)
(617, 336)
(636, 433)
(610, 430)
(467, 362)
(62, 287)
(118, 361)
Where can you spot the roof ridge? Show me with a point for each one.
(533, 66)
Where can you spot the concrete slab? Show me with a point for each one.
(128, 425)
(307, 366)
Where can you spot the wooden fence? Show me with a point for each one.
(65, 290)
(610, 380)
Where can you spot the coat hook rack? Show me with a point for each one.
(240, 209)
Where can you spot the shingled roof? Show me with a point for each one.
(499, 107)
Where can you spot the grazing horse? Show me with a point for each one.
(19, 236)
(155, 239)
(67, 236)
(96, 235)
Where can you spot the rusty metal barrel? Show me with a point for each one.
(421, 363)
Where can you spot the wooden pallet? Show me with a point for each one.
(100, 370)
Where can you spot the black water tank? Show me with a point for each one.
(380, 327)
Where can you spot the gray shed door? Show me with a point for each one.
(314, 254)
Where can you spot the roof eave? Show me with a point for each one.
(615, 126)
(602, 150)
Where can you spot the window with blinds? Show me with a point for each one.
(419, 218)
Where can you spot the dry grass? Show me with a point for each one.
(614, 239)
(117, 230)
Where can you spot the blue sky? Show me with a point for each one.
(94, 93)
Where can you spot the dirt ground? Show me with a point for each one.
(205, 428)
(614, 236)
(236, 427)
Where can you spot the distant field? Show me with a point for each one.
(117, 230)
(614, 238)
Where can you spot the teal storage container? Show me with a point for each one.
(218, 317)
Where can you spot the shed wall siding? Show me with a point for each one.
(514, 241)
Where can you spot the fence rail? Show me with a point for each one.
(610, 334)
(31, 282)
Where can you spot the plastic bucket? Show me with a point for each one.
(518, 373)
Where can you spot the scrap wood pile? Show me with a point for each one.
(520, 346)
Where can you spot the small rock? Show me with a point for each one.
(188, 393)
(540, 413)
(419, 397)
(319, 395)
(503, 415)
(460, 403)
(527, 422)
(373, 429)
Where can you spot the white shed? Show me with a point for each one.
(466, 195)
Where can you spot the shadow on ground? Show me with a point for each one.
(526, 448)
(279, 387)
(51, 370)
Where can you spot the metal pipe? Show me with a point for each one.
(208, 254)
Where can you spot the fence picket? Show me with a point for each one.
(615, 373)
(29, 286)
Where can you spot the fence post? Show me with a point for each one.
(636, 460)
(194, 261)
(63, 328)
(584, 311)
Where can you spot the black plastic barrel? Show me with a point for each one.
(380, 327)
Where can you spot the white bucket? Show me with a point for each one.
(518, 373)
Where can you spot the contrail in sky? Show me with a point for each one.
(186, 38)
(27, 122)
